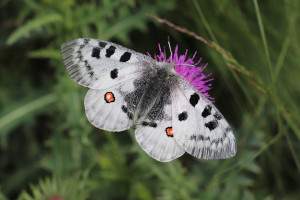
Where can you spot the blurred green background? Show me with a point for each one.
(48, 150)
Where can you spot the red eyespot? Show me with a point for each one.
(109, 97)
(169, 131)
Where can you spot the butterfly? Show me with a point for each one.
(127, 88)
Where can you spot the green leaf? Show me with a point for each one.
(13, 118)
(33, 25)
(45, 53)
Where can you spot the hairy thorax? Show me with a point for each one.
(152, 92)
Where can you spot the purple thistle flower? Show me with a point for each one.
(194, 74)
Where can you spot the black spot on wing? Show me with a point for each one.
(125, 110)
(86, 41)
(182, 116)
(130, 115)
(145, 123)
(91, 73)
(218, 116)
(110, 51)
(88, 68)
(199, 138)
(194, 99)
(125, 57)
(114, 73)
(228, 129)
(102, 44)
(212, 125)
(151, 124)
(96, 52)
(206, 111)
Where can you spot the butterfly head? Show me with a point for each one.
(165, 70)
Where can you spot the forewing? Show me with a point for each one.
(107, 109)
(99, 64)
(198, 125)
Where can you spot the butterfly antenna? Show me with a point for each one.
(165, 57)
(170, 48)
(188, 65)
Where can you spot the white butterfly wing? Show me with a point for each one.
(156, 138)
(198, 126)
(99, 64)
(190, 122)
(107, 109)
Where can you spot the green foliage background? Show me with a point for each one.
(48, 150)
